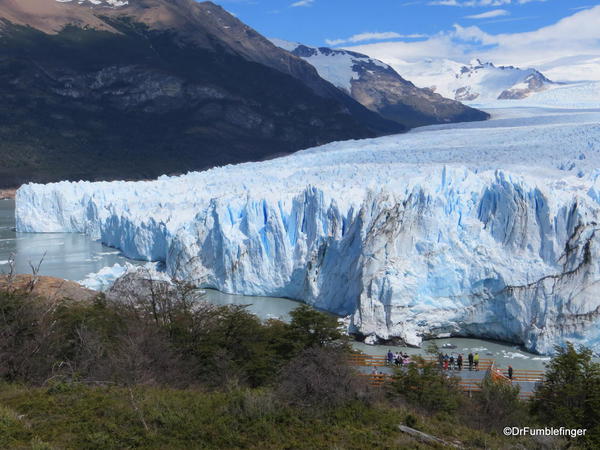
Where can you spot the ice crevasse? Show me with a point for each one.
(405, 244)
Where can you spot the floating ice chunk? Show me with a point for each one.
(513, 355)
(106, 277)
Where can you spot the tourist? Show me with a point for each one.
(446, 361)
(470, 361)
(441, 360)
(476, 361)
(452, 362)
(510, 372)
(459, 362)
(390, 357)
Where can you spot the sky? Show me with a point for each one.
(543, 33)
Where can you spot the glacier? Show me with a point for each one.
(487, 230)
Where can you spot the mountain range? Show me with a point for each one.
(380, 88)
(115, 89)
(475, 81)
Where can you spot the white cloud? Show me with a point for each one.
(489, 14)
(480, 3)
(363, 37)
(302, 3)
(547, 48)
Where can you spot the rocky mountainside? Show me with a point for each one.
(380, 88)
(475, 81)
(114, 89)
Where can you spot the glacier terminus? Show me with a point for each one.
(487, 229)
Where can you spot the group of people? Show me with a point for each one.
(451, 363)
(446, 362)
(397, 359)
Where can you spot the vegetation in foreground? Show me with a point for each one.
(163, 371)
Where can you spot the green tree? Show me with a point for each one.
(423, 385)
(432, 348)
(570, 394)
(498, 405)
(310, 328)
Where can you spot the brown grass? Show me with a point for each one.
(7, 193)
(48, 287)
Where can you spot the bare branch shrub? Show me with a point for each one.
(320, 377)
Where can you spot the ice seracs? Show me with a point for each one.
(486, 229)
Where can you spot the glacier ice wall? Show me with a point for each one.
(410, 235)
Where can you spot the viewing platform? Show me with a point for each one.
(470, 379)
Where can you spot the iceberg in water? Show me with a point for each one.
(483, 229)
(105, 278)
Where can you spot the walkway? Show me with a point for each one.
(470, 380)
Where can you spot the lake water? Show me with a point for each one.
(73, 256)
(65, 255)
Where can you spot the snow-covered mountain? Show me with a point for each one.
(476, 81)
(380, 88)
(574, 68)
(582, 95)
(487, 229)
(112, 3)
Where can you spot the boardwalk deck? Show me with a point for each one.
(470, 380)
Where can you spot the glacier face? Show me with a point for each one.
(480, 229)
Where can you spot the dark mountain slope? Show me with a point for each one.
(155, 87)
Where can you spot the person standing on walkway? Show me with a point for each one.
(446, 360)
(510, 372)
(390, 357)
(470, 361)
(451, 362)
(476, 361)
(459, 362)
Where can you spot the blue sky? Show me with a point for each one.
(559, 37)
(319, 22)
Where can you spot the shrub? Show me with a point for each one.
(569, 396)
(426, 387)
(310, 328)
(320, 378)
(497, 406)
(411, 421)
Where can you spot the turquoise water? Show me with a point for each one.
(65, 255)
(503, 354)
